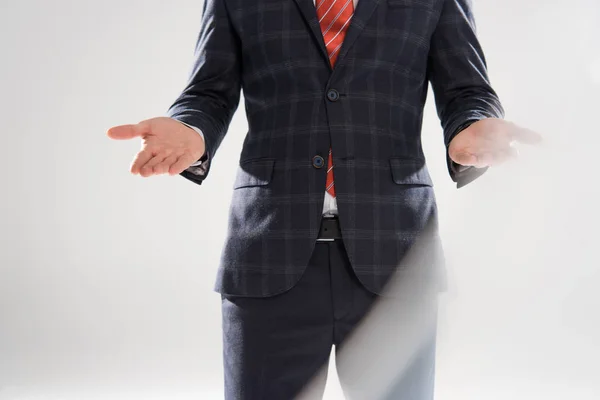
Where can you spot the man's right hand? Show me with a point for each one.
(168, 146)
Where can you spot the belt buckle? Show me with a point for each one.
(327, 218)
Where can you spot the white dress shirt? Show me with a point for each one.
(329, 203)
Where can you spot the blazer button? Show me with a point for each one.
(318, 162)
(333, 95)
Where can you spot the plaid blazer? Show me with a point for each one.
(368, 108)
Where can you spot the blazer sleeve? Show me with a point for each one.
(458, 74)
(212, 93)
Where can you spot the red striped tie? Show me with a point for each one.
(334, 18)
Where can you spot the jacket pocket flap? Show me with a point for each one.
(254, 172)
(410, 172)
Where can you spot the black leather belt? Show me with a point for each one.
(330, 229)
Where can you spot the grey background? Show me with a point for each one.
(106, 279)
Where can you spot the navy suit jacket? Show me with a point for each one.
(368, 108)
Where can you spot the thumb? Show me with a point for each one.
(124, 132)
(526, 136)
(464, 158)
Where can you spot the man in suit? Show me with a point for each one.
(332, 190)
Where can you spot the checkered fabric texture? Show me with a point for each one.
(274, 51)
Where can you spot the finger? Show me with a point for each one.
(140, 160)
(513, 152)
(148, 168)
(183, 163)
(506, 155)
(526, 136)
(124, 132)
(164, 166)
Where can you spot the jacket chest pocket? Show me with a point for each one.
(422, 5)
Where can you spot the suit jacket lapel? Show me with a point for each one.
(309, 12)
(362, 13)
(364, 10)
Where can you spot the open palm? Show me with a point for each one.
(168, 146)
(489, 142)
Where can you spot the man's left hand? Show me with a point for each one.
(488, 142)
